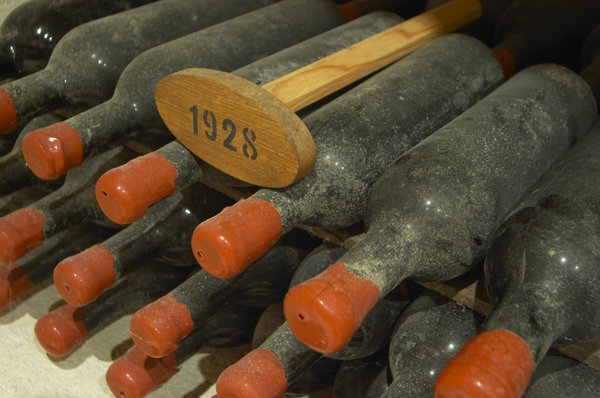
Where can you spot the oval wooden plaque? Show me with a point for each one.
(236, 126)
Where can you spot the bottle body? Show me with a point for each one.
(32, 30)
(432, 214)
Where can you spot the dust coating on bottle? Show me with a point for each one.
(86, 64)
(31, 31)
(430, 331)
(457, 185)
(74, 202)
(551, 293)
(164, 232)
(36, 266)
(361, 132)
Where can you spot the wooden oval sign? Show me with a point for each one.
(236, 126)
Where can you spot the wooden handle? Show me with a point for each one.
(313, 82)
(253, 133)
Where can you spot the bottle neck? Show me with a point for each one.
(537, 325)
(137, 291)
(294, 356)
(378, 257)
(148, 238)
(36, 94)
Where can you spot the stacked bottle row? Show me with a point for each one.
(433, 153)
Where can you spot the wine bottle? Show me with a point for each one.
(14, 173)
(17, 278)
(281, 359)
(227, 46)
(363, 378)
(258, 374)
(429, 332)
(85, 65)
(163, 234)
(22, 198)
(70, 205)
(31, 31)
(159, 327)
(541, 273)
(590, 62)
(433, 212)
(179, 167)
(537, 31)
(356, 136)
(559, 376)
(135, 374)
(432, 329)
(62, 330)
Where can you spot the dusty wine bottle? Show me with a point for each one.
(85, 65)
(179, 167)
(277, 365)
(135, 374)
(14, 173)
(304, 371)
(159, 327)
(132, 108)
(62, 330)
(429, 332)
(363, 378)
(31, 31)
(543, 280)
(590, 62)
(536, 31)
(433, 212)
(559, 376)
(17, 278)
(69, 205)
(164, 233)
(376, 121)
(432, 329)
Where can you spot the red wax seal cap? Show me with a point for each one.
(8, 113)
(135, 374)
(325, 311)
(20, 232)
(14, 282)
(81, 278)
(259, 374)
(494, 364)
(158, 327)
(226, 244)
(507, 61)
(52, 151)
(60, 331)
(125, 193)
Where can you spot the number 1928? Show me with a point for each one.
(210, 122)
